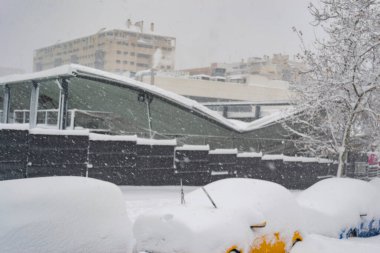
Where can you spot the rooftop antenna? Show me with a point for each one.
(182, 194)
(209, 197)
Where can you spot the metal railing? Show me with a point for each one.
(49, 117)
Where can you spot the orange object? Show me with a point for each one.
(268, 244)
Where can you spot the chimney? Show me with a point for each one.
(140, 25)
(129, 23)
(152, 27)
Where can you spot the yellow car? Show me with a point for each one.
(226, 216)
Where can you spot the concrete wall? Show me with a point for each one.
(128, 162)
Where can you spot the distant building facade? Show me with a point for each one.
(116, 51)
(277, 67)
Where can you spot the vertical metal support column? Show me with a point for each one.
(225, 111)
(257, 111)
(148, 100)
(63, 104)
(6, 104)
(34, 105)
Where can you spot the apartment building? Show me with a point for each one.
(116, 51)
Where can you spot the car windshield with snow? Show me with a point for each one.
(230, 215)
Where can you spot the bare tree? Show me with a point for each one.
(339, 96)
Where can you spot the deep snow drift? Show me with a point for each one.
(63, 214)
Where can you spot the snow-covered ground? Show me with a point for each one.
(140, 199)
(68, 214)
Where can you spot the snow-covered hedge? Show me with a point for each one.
(63, 214)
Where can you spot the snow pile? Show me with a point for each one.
(199, 227)
(337, 204)
(63, 214)
(277, 204)
(375, 182)
(192, 229)
(321, 244)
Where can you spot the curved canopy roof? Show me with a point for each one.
(74, 70)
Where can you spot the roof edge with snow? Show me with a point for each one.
(82, 71)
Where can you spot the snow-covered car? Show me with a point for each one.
(230, 215)
(63, 214)
(341, 208)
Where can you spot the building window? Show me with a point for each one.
(117, 61)
(125, 62)
(132, 54)
(142, 65)
(132, 63)
(58, 62)
(145, 56)
(144, 46)
(118, 52)
(125, 53)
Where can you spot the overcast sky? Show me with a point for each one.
(206, 30)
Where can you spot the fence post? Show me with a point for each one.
(33, 105)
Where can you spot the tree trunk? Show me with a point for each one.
(342, 161)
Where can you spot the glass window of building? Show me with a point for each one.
(48, 103)
(107, 107)
(1, 103)
(19, 102)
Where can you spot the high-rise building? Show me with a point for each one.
(116, 51)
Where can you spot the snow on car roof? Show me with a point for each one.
(261, 196)
(51, 214)
(240, 203)
(340, 203)
(79, 70)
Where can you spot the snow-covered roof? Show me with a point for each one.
(79, 70)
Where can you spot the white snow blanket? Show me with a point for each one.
(321, 244)
(199, 227)
(337, 204)
(63, 214)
